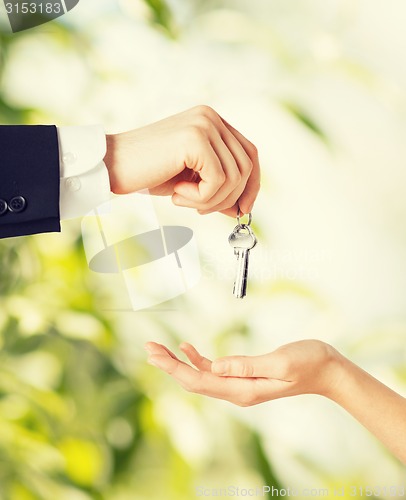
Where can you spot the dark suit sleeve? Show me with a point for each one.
(29, 180)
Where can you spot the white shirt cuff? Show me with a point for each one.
(85, 181)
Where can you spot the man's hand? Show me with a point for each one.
(304, 367)
(195, 156)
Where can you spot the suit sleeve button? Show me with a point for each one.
(17, 204)
(3, 207)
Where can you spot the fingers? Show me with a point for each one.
(252, 186)
(212, 176)
(242, 380)
(195, 357)
(231, 212)
(227, 164)
(155, 348)
(248, 197)
(269, 365)
(239, 391)
(244, 165)
(272, 365)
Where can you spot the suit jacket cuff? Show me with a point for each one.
(29, 180)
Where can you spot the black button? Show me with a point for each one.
(3, 207)
(17, 204)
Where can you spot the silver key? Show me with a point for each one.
(242, 239)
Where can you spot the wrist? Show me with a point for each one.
(335, 369)
(110, 161)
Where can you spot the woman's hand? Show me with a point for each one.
(304, 367)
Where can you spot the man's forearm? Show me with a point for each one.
(381, 410)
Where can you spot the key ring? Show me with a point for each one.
(239, 217)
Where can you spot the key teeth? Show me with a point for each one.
(242, 249)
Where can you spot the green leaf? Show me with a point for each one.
(305, 119)
(261, 461)
(162, 15)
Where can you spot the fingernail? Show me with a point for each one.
(219, 367)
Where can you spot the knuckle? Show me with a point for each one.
(248, 166)
(218, 180)
(252, 150)
(204, 110)
(204, 123)
(235, 177)
(247, 370)
(195, 134)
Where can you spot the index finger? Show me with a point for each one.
(155, 348)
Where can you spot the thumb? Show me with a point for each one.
(242, 366)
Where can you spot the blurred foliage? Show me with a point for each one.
(71, 419)
(305, 119)
(162, 15)
(73, 423)
(8, 114)
(79, 417)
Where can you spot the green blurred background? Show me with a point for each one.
(318, 86)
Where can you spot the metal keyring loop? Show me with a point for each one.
(239, 219)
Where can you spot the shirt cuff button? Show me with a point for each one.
(73, 183)
(17, 204)
(69, 158)
(3, 207)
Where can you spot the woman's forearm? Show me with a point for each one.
(381, 410)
